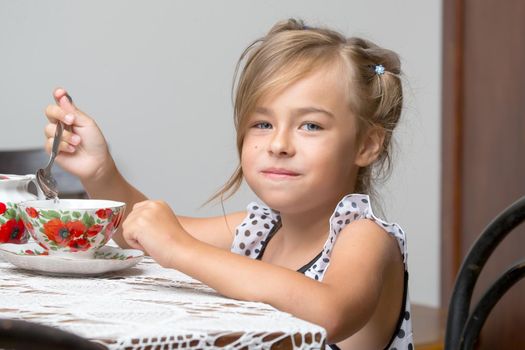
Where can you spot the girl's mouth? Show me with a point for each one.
(279, 173)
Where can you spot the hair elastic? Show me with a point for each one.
(379, 69)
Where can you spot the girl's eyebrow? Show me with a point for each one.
(308, 110)
(296, 112)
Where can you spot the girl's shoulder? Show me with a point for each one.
(252, 232)
(356, 207)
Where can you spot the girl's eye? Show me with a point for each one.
(263, 125)
(311, 127)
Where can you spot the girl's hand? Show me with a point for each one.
(153, 227)
(83, 151)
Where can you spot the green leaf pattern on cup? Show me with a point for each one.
(88, 220)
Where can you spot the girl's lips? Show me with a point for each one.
(279, 173)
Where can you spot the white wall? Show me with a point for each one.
(157, 77)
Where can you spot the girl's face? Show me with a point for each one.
(300, 149)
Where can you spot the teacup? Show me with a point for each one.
(74, 228)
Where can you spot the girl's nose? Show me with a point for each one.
(281, 144)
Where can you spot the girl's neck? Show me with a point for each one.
(307, 226)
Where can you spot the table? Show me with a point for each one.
(150, 307)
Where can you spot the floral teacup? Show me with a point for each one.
(74, 228)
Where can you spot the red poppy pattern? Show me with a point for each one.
(70, 234)
(12, 228)
(32, 212)
(104, 213)
(94, 230)
(72, 231)
(12, 231)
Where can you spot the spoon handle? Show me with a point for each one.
(56, 143)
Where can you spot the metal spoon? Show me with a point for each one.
(44, 178)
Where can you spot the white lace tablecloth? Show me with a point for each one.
(148, 306)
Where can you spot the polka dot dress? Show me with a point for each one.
(251, 237)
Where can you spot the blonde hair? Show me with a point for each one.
(289, 52)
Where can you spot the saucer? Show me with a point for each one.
(31, 256)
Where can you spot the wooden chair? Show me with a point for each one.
(23, 335)
(28, 161)
(463, 327)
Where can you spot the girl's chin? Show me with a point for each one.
(285, 204)
(296, 202)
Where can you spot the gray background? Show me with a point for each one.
(156, 75)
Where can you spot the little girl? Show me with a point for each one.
(314, 114)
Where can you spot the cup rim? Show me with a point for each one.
(16, 177)
(49, 204)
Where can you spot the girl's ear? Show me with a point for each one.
(370, 147)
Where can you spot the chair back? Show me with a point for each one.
(24, 335)
(28, 161)
(463, 328)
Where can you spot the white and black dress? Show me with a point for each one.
(261, 223)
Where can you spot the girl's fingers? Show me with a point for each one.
(67, 136)
(62, 147)
(135, 245)
(63, 99)
(128, 232)
(139, 205)
(54, 113)
(66, 112)
(133, 242)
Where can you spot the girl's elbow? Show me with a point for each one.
(341, 326)
(336, 331)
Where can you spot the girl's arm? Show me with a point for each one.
(217, 231)
(112, 185)
(84, 153)
(342, 303)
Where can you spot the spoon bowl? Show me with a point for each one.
(47, 184)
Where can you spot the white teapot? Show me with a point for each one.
(13, 190)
